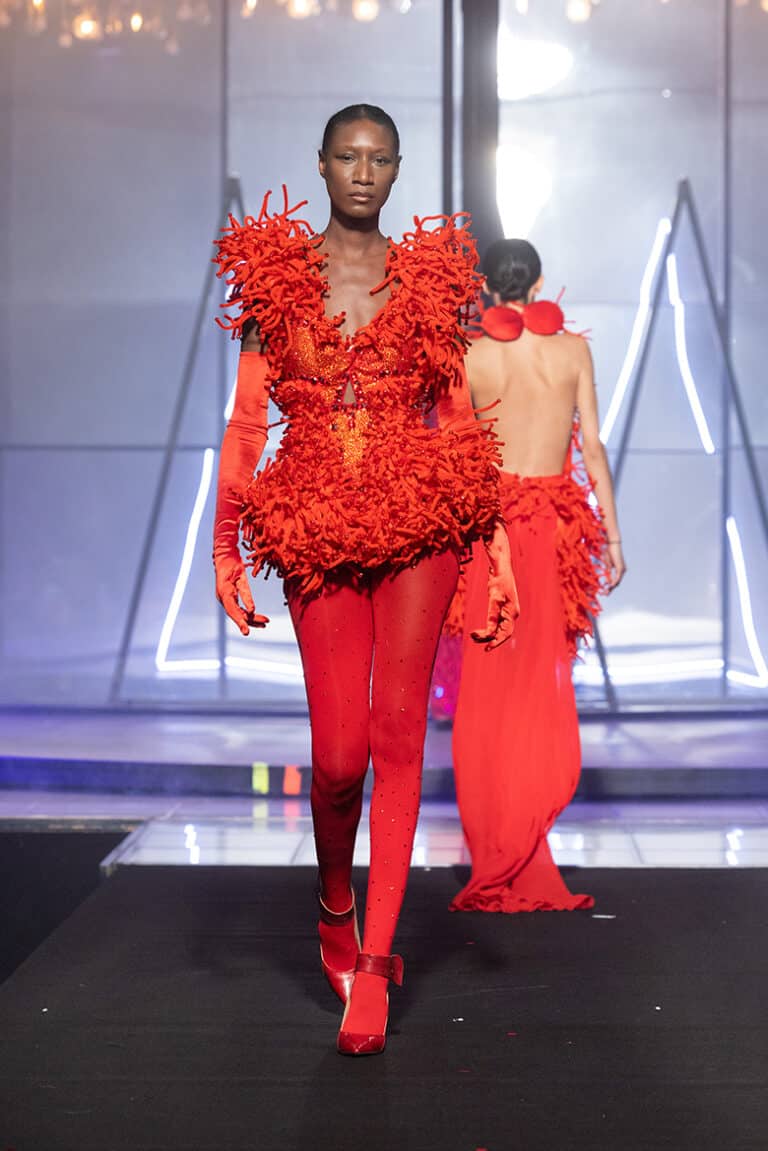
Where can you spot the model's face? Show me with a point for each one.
(359, 168)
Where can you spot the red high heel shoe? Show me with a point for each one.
(345, 923)
(351, 1042)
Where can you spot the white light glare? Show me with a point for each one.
(529, 67)
(520, 201)
(733, 839)
(191, 844)
(681, 349)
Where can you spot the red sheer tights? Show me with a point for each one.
(368, 647)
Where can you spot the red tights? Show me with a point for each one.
(367, 648)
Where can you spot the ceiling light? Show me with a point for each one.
(300, 9)
(365, 10)
(86, 26)
(578, 11)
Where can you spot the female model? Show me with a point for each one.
(363, 511)
(516, 738)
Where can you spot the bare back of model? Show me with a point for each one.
(534, 383)
(537, 378)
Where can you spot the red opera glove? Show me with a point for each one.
(453, 405)
(241, 449)
(503, 602)
(455, 412)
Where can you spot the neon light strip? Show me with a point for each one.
(681, 347)
(701, 669)
(747, 618)
(290, 672)
(638, 328)
(166, 632)
(162, 663)
(230, 404)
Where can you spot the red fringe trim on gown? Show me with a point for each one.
(360, 485)
(516, 748)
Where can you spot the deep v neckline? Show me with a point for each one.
(335, 321)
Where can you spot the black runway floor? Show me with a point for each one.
(183, 1008)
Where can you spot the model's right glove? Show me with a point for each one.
(241, 450)
(503, 601)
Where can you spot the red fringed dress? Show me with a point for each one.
(517, 754)
(355, 486)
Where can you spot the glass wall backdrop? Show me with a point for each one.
(110, 183)
(275, 133)
(113, 160)
(604, 110)
(749, 294)
(114, 151)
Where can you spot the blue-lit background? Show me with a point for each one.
(111, 165)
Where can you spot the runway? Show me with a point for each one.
(162, 989)
(183, 1008)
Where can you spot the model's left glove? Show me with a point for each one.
(503, 602)
(241, 450)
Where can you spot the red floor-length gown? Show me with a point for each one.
(516, 748)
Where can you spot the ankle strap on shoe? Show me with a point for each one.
(387, 966)
(335, 918)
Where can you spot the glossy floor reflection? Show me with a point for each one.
(184, 830)
(225, 832)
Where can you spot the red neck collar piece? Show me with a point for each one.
(542, 317)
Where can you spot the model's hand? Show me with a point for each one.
(614, 558)
(234, 594)
(503, 610)
(503, 601)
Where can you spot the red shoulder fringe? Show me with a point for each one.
(435, 270)
(266, 261)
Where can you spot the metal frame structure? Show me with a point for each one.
(685, 206)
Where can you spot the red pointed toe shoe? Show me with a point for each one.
(370, 1040)
(339, 946)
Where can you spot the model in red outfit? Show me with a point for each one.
(516, 738)
(363, 512)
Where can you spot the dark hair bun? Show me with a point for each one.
(511, 268)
